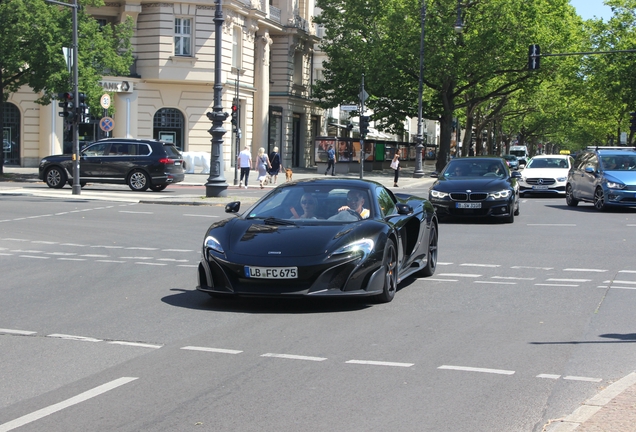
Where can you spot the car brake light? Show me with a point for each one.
(166, 161)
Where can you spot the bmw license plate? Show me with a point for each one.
(475, 205)
(540, 187)
(271, 272)
(177, 163)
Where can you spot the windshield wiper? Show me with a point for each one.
(277, 221)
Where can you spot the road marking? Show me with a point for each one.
(6, 254)
(511, 277)
(479, 265)
(620, 282)
(71, 337)
(135, 344)
(615, 287)
(33, 256)
(205, 216)
(72, 244)
(584, 270)
(379, 363)
(555, 285)
(554, 225)
(473, 369)
(460, 275)
(627, 271)
(176, 250)
(108, 247)
(187, 265)
(61, 253)
(152, 264)
(141, 248)
(438, 280)
(568, 280)
(444, 263)
(495, 283)
(37, 415)
(94, 256)
(15, 239)
(577, 378)
(135, 212)
(110, 261)
(25, 251)
(216, 350)
(72, 259)
(44, 242)
(549, 376)
(17, 332)
(172, 260)
(532, 268)
(137, 258)
(293, 357)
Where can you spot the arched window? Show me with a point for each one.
(168, 125)
(11, 134)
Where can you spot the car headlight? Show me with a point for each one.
(213, 244)
(362, 247)
(438, 194)
(501, 194)
(561, 179)
(43, 161)
(615, 185)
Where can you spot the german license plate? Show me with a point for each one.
(177, 163)
(271, 272)
(540, 187)
(475, 205)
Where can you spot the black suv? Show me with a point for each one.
(139, 163)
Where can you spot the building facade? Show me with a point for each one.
(267, 60)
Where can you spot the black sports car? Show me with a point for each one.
(321, 237)
(476, 186)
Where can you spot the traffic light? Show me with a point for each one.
(364, 125)
(632, 122)
(82, 108)
(234, 115)
(66, 102)
(534, 57)
(349, 127)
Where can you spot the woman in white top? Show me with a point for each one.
(262, 161)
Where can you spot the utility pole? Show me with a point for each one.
(364, 124)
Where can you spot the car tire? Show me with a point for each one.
(431, 254)
(389, 264)
(599, 199)
(55, 177)
(511, 216)
(138, 181)
(159, 187)
(569, 196)
(518, 209)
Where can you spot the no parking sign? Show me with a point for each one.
(106, 124)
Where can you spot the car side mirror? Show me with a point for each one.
(404, 209)
(515, 174)
(434, 174)
(590, 170)
(233, 207)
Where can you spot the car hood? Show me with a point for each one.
(470, 183)
(254, 237)
(626, 177)
(544, 172)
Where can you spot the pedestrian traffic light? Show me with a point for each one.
(364, 125)
(235, 115)
(534, 57)
(632, 122)
(66, 102)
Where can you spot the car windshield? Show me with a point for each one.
(475, 168)
(314, 203)
(548, 163)
(510, 157)
(619, 162)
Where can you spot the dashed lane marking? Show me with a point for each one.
(438, 280)
(18, 332)
(33, 256)
(615, 287)
(512, 278)
(460, 275)
(585, 270)
(214, 350)
(72, 337)
(495, 282)
(549, 376)
(568, 280)
(474, 369)
(532, 268)
(578, 378)
(379, 363)
(203, 216)
(620, 282)
(293, 357)
(135, 344)
(479, 265)
(135, 212)
(555, 285)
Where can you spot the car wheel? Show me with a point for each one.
(389, 263)
(55, 178)
(159, 187)
(511, 216)
(599, 199)
(431, 262)
(517, 209)
(569, 196)
(138, 181)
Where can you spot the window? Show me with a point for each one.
(298, 67)
(182, 36)
(237, 45)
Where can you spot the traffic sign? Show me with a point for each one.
(363, 96)
(105, 100)
(348, 107)
(106, 124)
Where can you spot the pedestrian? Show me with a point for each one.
(331, 160)
(263, 165)
(395, 164)
(274, 160)
(244, 162)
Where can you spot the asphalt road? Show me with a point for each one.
(101, 328)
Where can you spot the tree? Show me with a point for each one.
(34, 33)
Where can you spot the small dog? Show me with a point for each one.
(288, 174)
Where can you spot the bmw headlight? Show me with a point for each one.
(210, 243)
(362, 247)
(500, 194)
(438, 194)
(43, 161)
(615, 185)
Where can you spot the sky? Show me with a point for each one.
(589, 8)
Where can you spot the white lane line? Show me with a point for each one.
(187, 265)
(620, 282)
(549, 376)
(44, 242)
(532, 268)
(82, 397)
(459, 275)
(479, 265)
(184, 250)
(135, 212)
(94, 256)
(136, 258)
(555, 285)
(511, 278)
(72, 244)
(495, 283)
(6, 254)
(141, 248)
(17, 332)
(111, 261)
(568, 280)
(616, 287)
(33, 256)
(205, 216)
(15, 239)
(585, 270)
(71, 337)
(438, 280)
(215, 350)
(379, 363)
(135, 344)
(293, 357)
(554, 225)
(172, 260)
(474, 369)
(61, 253)
(151, 264)
(627, 271)
(578, 378)
(25, 251)
(72, 259)
(108, 247)
(444, 263)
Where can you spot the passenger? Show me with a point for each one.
(494, 169)
(355, 202)
(309, 204)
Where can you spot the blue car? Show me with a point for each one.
(605, 177)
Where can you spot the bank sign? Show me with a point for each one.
(117, 86)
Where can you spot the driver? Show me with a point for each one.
(355, 202)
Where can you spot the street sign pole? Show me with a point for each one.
(363, 96)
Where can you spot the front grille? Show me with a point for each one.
(478, 196)
(459, 196)
(540, 181)
(465, 196)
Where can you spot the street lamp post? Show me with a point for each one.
(216, 185)
(419, 146)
